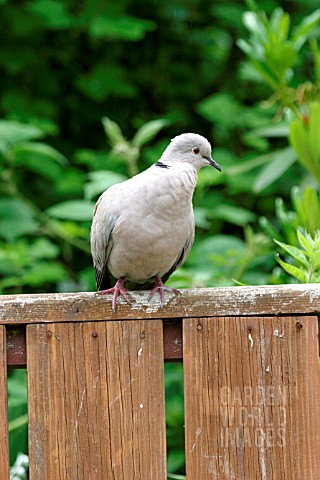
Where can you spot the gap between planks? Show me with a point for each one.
(172, 338)
(17, 352)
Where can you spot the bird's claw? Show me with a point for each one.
(117, 290)
(159, 287)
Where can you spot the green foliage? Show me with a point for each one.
(272, 49)
(304, 137)
(307, 207)
(220, 258)
(176, 477)
(307, 256)
(278, 163)
(130, 151)
(150, 72)
(174, 416)
(305, 216)
(18, 418)
(20, 468)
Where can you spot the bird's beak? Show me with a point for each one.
(214, 164)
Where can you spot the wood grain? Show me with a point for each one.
(198, 302)
(16, 346)
(4, 442)
(17, 349)
(172, 339)
(96, 401)
(252, 398)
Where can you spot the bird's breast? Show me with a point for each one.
(153, 226)
(149, 245)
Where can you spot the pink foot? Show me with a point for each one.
(116, 290)
(159, 287)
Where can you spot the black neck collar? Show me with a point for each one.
(161, 165)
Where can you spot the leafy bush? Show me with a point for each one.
(149, 71)
(307, 257)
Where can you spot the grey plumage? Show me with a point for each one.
(143, 228)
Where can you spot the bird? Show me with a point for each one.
(143, 228)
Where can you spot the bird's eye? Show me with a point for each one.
(195, 150)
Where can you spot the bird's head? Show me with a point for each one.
(189, 148)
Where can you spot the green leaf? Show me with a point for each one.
(100, 181)
(105, 80)
(42, 273)
(122, 27)
(16, 219)
(113, 131)
(77, 210)
(314, 128)
(265, 71)
(280, 22)
(252, 22)
(201, 218)
(43, 248)
(305, 146)
(301, 32)
(294, 252)
(233, 214)
(306, 242)
(42, 149)
(284, 159)
(15, 132)
(207, 177)
(220, 108)
(268, 228)
(316, 57)
(281, 58)
(173, 476)
(18, 422)
(307, 206)
(40, 158)
(70, 182)
(247, 166)
(95, 160)
(148, 131)
(39, 274)
(279, 130)
(53, 13)
(244, 46)
(301, 275)
(17, 387)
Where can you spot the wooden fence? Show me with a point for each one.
(96, 388)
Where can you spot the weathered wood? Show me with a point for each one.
(232, 301)
(16, 346)
(4, 449)
(252, 398)
(17, 350)
(96, 401)
(172, 339)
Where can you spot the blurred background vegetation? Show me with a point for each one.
(92, 92)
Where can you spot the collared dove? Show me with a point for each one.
(143, 228)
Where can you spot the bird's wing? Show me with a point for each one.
(104, 220)
(181, 258)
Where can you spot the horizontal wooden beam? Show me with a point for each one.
(17, 352)
(197, 302)
(16, 346)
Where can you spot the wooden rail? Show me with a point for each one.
(95, 382)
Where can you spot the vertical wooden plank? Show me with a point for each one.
(96, 401)
(252, 398)
(4, 442)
